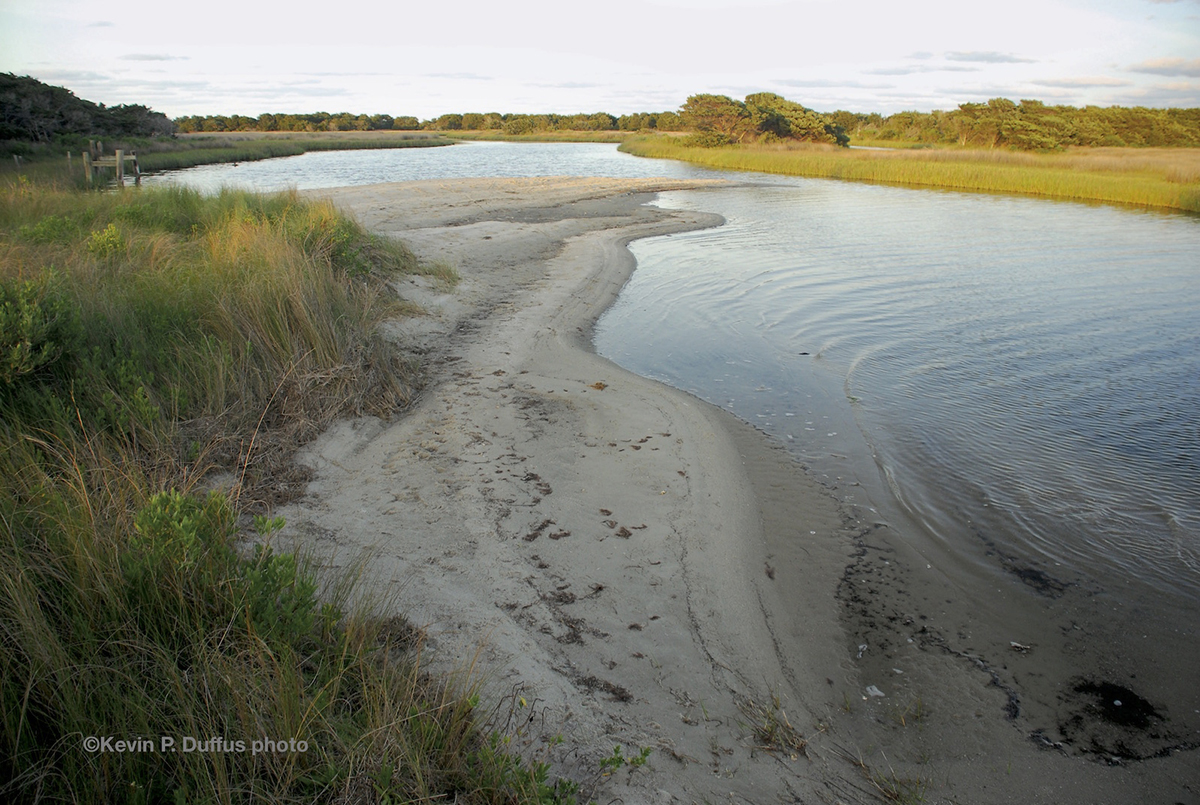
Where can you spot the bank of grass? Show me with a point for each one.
(1167, 178)
(541, 136)
(149, 340)
(48, 162)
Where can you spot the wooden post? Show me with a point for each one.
(137, 171)
(120, 168)
(87, 166)
(70, 165)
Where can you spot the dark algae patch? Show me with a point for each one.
(1119, 705)
(1115, 722)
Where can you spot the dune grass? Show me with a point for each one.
(1167, 178)
(150, 339)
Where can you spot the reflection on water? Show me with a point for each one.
(1017, 369)
(319, 169)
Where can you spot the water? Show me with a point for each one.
(1016, 368)
(321, 169)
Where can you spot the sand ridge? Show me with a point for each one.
(595, 532)
(639, 567)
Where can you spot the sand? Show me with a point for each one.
(638, 567)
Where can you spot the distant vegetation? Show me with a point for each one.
(35, 112)
(762, 117)
(1028, 126)
(715, 120)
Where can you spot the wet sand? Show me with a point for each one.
(640, 567)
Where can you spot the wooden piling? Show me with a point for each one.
(120, 168)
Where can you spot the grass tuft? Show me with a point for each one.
(770, 727)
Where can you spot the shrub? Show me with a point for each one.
(38, 325)
(706, 139)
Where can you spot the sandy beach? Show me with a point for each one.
(637, 567)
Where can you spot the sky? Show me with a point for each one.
(425, 58)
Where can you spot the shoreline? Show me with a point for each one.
(489, 504)
(1087, 176)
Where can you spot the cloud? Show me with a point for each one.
(986, 92)
(825, 83)
(151, 57)
(921, 68)
(460, 76)
(1081, 83)
(988, 57)
(1177, 95)
(102, 24)
(49, 76)
(570, 85)
(1175, 66)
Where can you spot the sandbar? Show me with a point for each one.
(636, 566)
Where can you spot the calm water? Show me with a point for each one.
(1014, 369)
(319, 169)
(1023, 370)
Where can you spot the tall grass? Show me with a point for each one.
(194, 321)
(1163, 178)
(148, 339)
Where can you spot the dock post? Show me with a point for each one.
(120, 168)
(87, 166)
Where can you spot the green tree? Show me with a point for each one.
(775, 117)
(719, 115)
(448, 122)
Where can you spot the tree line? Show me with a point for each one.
(1029, 126)
(31, 111)
(469, 121)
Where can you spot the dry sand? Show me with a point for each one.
(639, 567)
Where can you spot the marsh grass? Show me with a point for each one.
(195, 324)
(128, 613)
(1153, 177)
(147, 339)
(186, 152)
(48, 162)
(567, 136)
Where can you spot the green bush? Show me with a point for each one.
(38, 325)
(106, 243)
(706, 139)
(51, 229)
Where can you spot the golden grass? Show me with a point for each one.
(1166, 178)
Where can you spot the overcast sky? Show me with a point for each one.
(427, 58)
